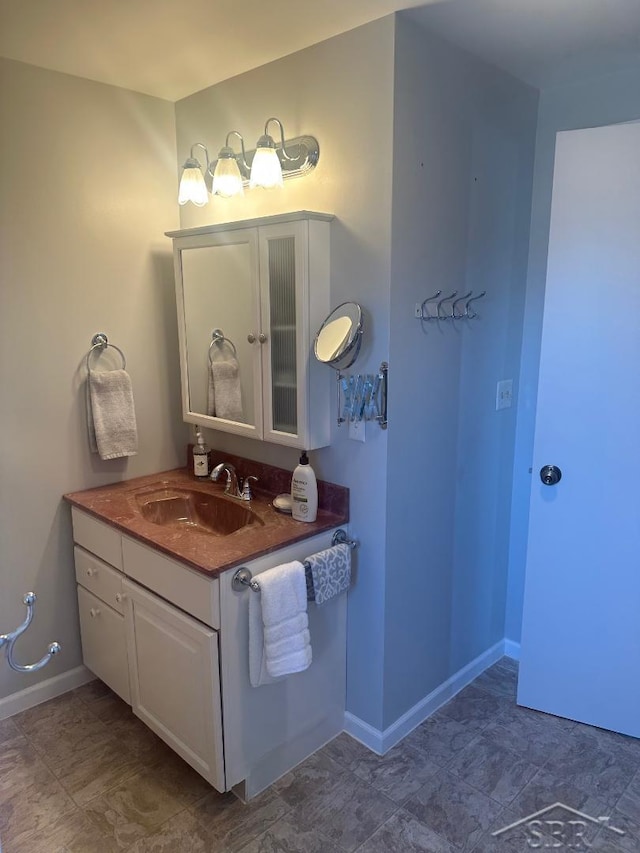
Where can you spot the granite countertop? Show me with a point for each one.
(209, 553)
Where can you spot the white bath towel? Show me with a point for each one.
(279, 641)
(224, 394)
(111, 417)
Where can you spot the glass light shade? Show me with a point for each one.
(227, 180)
(266, 170)
(192, 186)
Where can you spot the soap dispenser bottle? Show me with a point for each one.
(200, 456)
(304, 491)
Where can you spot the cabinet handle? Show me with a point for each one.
(95, 611)
(251, 338)
(262, 338)
(91, 572)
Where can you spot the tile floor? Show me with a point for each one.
(80, 774)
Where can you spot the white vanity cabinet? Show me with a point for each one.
(174, 644)
(263, 284)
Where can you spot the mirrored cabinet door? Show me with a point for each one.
(221, 322)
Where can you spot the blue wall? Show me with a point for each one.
(464, 137)
(605, 100)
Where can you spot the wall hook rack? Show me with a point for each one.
(432, 308)
(8, 640)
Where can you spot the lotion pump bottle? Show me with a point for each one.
(200, 456)
(304, 491)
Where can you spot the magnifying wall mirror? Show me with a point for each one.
(340, 336)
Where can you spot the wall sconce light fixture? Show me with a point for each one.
(266, 166)
(192, 185)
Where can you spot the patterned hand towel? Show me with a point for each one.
(331, 572)
(111, 416)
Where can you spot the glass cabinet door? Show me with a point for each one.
(281, 270)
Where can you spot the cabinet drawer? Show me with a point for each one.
(99, 578)
(97, 537)
(104, 648)
(187, 589)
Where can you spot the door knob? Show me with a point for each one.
(550, 475)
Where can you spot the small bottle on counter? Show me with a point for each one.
(200, 456)
(304, 491)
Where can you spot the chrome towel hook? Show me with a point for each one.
(426, 302)
(454, 313)
(472, 314)
(439, 314)
(8, 640)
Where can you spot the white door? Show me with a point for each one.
(580, 654)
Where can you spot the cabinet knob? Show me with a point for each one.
(262, 338)
(251, 338)
(119, 597)
(95, 611)
(91, 572)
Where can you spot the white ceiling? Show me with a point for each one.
(172, 48)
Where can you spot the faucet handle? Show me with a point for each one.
(246, 488)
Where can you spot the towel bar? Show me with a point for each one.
(9, 640)
(243, 577)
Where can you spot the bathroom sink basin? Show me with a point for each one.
(171, 506)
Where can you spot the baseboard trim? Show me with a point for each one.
(512, 649)
(382, 741)
(44, 690)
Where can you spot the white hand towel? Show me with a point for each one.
(279, 642)
(224, 396)
(273, 651)
(258, 674)
(111, 416)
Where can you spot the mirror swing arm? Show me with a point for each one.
(337, 344)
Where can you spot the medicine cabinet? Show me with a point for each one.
(250, 296)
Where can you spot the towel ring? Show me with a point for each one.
(217, 337)
(100, 341)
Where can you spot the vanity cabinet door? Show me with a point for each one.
(104, 648)
(175, 680)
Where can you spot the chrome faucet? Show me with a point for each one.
(232, 488)
(233, 485)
